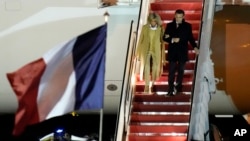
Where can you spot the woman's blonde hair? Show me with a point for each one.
(154, 16)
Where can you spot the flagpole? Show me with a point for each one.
(106, 16)
(100, 126)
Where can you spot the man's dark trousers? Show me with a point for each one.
(171, 76)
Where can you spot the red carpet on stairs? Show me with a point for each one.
(155, 117)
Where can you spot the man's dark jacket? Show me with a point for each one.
(179, 51)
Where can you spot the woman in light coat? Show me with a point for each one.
(151, 51)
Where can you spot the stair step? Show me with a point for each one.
(195, 33)
(190, 65)
(177, 113)
(187, 74)
(163, 80)
(165, 15)
(157, 98)
(157, 138)
(160, 124)
(192, 22)
(192, 6)
(163, 87)
(190, 48)
(159, 1)
(195, 24)
(188, 77)
(161, 134)
(144, 107)
(191, 53)
(161, 93)
(157, 129)
(159, 118)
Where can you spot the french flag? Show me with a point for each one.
(68, 77)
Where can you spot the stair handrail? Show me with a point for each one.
(204, 78)
(127, 87)
(130, 72)
(195, 69)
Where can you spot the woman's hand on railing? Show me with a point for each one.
(164, 62)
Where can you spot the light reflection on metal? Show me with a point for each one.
(74, 114)
(165, 123)
(164, 93)
(166, 103)
(162, 134)
(106, 16)
(245, 45)
(233, 2)
(162, 113)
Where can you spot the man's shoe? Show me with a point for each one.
(171, 93)
(178, 88)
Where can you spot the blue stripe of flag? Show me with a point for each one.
(89, 64)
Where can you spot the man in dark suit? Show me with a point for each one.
(177, 34)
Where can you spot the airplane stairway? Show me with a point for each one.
(155, 117)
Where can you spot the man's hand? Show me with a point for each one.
(196, 50)
(166, 36)
(175, 40)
